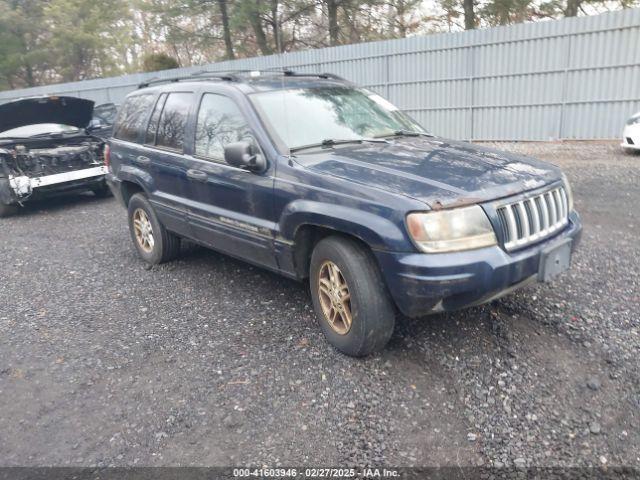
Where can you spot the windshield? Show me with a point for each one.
(310, 116)
(104, 114)
(38, 129)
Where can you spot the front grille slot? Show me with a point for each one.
(630, 141)
(533, 219)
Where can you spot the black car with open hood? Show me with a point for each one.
(72, 111)
(45, 148)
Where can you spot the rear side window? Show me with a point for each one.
(132, 117)
(173, 120)
(150, 138)
(220, 122)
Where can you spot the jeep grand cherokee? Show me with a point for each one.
(315, 178)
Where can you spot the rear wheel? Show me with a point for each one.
(152, 241)
(350, 299)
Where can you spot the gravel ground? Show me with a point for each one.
(209, 361)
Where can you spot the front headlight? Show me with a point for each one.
(451, 230)
(567, 188)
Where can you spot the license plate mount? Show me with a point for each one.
(554, 261)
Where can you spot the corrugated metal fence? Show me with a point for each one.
(576, 78)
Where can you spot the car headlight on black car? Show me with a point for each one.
(567, 188)
(451, 230)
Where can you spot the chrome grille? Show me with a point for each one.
(534, 218)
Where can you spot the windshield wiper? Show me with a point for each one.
(406, 133)
(48, 134)
(330, 142)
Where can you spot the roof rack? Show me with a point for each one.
(235, 76)
(231, 77)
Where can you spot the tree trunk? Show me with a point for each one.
(258, 30)
(277, 32)
(332, 13)
(401, 11)
(469, 15)
(29, 79)
(572, 8)
(226, 32)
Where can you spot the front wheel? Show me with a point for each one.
(350, 299)
(154, 243)
(101, 190)
(8, 210)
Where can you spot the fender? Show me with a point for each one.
(376, 231)
(130, 173)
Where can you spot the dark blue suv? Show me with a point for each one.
(315, 178)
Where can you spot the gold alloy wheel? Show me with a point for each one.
(143, 230)
(335, 298)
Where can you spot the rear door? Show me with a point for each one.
(128, 133)
(163, 156)
(230, 209)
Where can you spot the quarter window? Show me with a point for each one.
(155, 118)
(219, 123)
(173, 121)
(132, 117)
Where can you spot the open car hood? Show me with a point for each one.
(72, 111)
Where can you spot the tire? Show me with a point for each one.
(102, 190)
(163, 245)
(8, 210)
(371, 309)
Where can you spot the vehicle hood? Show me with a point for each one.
(439, 172)
(29, 111)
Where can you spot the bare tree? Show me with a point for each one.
(226, 30)
(469, 15)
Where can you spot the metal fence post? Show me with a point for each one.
(472, 76)
(388, 79)
(565, 86)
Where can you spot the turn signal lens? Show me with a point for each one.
(107, 156)
(567, 189)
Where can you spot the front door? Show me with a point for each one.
(230, 209)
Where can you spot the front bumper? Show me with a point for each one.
(631, 137)
(426, 283)
(14, 190)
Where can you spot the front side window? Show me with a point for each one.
(173, 121)
(219, 123)
(132, 117)
(309, 116)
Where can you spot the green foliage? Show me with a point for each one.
(47, 41)
(23, 37)
(504, 12)
(85, 36)
(153, 62)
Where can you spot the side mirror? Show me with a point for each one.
(244, 155)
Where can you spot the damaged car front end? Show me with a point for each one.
(45, 149)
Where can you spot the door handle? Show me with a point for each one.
(141, 160)
(197, 175)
